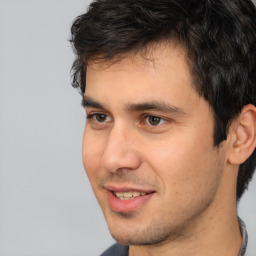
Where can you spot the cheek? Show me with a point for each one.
(91, 154)
(185, 167)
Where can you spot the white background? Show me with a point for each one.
(47, 206)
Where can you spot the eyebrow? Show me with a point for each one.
(157, 106)
(139, 107)
(89, 102)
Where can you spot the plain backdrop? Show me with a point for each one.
(47, 206)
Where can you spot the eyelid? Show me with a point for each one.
(92, 112)
(145, 115)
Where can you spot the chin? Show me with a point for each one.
(149, 235)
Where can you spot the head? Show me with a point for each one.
(217, 41)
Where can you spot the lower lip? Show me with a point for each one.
(125, 206)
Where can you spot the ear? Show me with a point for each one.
(243, 135)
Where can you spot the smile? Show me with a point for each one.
(128, 195)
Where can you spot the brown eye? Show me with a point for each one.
(154, 120)
(100, 117)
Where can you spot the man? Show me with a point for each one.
(169, 89)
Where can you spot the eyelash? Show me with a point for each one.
(144, 121)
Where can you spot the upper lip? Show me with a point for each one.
(114, 188)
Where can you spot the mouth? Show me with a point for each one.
(124, 200)
(129, 195)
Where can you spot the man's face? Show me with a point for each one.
(148, 146)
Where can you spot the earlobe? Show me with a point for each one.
(243, 137)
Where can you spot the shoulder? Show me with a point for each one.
(116, 250)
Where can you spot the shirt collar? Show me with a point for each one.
(244, 236)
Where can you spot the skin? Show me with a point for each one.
(169, 153)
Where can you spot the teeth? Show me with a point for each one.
(128, 195)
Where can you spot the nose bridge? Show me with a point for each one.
(119, 151)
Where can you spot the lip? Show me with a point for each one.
(127, 206)
(127, 189)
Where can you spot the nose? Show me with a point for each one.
(120, 151)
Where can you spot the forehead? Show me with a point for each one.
(162, 71)
(142, 59)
